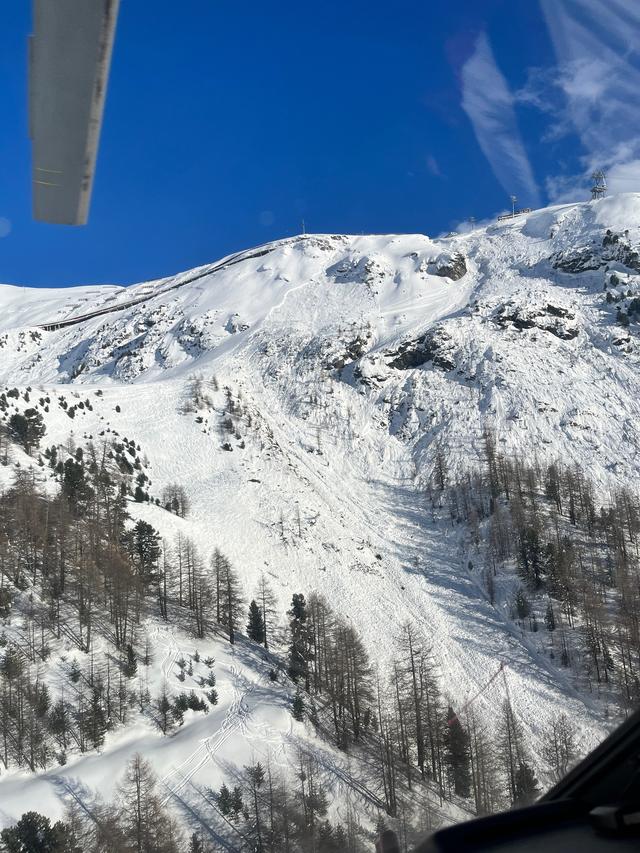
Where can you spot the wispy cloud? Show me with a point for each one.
(489, 104)
(593, 91)
(433, 166)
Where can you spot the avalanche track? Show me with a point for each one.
(299, 392)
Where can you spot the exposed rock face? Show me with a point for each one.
(615, 247)
(523, 317)
(556, 311)
(354, 350)
(435, 347)
(618, 249)
(454, 268)
(577, 261)
(366, 269)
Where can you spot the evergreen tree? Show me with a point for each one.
(456, 741)
(522, 785)
(297, 709)
(164, 711)
(256, 777)
(95, 721)
(130, 666)
(225, 801)
(325, 836)
(440, 467)
(59, 722)
(143, 544)
(549, 618)
(529, 557)
(523, 608)
(341, 842)
(300, 646)
(34, 833)
(27, 429)
(41, 700)
(527, 786)
(236, 800)
(255, 626)
(76, 487)
(140, 496)
(195, 844)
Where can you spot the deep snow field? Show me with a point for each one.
(353, 356)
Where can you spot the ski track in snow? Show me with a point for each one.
(234, 721)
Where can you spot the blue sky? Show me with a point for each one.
(229, 123)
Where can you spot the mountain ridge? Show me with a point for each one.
(301, 393)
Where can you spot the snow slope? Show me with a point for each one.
(352, 355)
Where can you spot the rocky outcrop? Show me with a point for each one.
(525, 317)
(434, 347)
(353, 350)
(577, 261)
(615, 247)
(454, 267)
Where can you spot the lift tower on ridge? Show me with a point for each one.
(599, 188)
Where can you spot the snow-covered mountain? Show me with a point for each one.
(350, 359)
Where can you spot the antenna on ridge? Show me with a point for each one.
(599, 188)
(514, 199)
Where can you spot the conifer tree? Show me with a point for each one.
(549, 618)
(255, 626)
(95, 720)
(130, 665)
(76, 487)
(34, 833)
(143, 544)
(195, 844)
(529, 557)
(60, 722)
(522, 785)
(523, 608)
(225, 802)
(299, 648)
(256, 777)
(297, 709)
(27, 428)
(237, 804)
(527, 786)
(164, 711)
(456, 741)
(381, 825)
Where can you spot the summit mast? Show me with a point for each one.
(599, 188)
